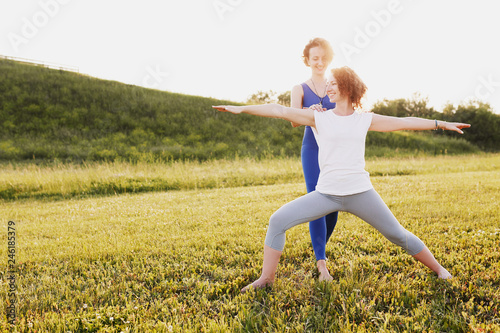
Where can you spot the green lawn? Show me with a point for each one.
(174, 261)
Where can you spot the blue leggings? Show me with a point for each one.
(322, 228)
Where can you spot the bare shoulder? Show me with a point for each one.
(296, 96)
(297, 89)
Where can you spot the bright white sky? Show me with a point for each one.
(447, 50)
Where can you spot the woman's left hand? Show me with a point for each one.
(452, 126)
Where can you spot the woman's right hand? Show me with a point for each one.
(228, 108)
(317, 107)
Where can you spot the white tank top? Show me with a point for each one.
(341, 142)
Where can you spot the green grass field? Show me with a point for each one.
(166, 247)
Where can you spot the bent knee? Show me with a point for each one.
(275, 237)
(277, 222)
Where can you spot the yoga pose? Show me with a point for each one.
(317, 55)
(343, 184)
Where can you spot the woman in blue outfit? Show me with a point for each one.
(317, 55)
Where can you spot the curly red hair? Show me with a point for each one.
(323, 43)
(350, 85)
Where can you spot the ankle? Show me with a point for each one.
(265, 279)
(321, 265)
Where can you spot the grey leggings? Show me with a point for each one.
(366, 205)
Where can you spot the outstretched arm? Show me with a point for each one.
(299, 116)
(388, 124)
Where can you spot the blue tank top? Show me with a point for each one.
(310, 98)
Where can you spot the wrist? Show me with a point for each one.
(439, 124)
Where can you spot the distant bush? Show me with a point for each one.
(485, 124)
(411, 143)
(485, 129)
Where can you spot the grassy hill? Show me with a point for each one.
(48, 114)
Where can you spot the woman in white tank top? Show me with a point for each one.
(343, 183)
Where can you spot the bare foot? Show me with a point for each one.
(325, 276)
(444, 274)
(258, 284)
